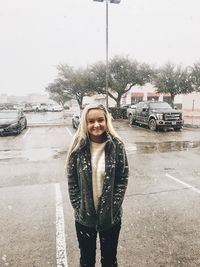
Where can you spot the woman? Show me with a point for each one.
(97, 179)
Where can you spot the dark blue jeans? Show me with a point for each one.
(108, 244)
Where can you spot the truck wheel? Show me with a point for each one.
(25, 124)
(73, 124)
(152, 125)
(19, 129)
(177, 129)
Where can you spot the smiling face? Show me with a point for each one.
(96, 124)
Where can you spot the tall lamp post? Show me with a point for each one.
(107, 71)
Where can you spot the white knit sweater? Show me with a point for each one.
(98, 170)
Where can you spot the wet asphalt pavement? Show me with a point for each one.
(161, 210)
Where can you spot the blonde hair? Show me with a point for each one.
(82, 133)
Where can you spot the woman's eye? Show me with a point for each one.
(100, 120)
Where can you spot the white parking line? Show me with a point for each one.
(70, 133)
(26, 133)
(61, 255)
(183, 183)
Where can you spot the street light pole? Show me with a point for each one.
(107, 69)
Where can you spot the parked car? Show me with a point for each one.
(75, 121)
(12, 122)
(41, 107)
(56, 108)
(156, 115)
(66, 106)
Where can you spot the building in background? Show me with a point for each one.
(148, 92)
(30, 98)
(190, 102)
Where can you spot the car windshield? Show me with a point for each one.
(160, 105)
(8, 114)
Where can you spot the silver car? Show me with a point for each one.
(75, 121)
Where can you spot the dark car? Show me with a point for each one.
(12, 122)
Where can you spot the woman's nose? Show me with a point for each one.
(96, 124)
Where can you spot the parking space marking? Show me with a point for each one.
(61, 255)
(70, 133)
(26, 133)
(183, 183)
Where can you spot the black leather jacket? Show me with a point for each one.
(79, 171)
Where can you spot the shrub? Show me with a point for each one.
(118, 113)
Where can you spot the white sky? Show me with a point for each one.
(37, 35)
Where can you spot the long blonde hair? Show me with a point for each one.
(82, 134)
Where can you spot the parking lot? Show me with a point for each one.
(161, 210)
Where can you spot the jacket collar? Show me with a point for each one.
(108, 140)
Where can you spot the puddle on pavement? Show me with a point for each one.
(37, 154)
(40, 154)
(152, 147)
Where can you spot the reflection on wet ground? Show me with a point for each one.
(38, 154)
(153, 147)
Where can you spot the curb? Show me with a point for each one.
(192, 117)
(46, 124)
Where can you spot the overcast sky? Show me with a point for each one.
(37, 35)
